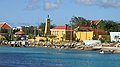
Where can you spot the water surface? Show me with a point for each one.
(47, 57)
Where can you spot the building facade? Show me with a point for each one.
(115, 36)
(84, 35)
(5, 30)
(63, 33)
(88, 33)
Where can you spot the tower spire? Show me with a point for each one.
(47, 26)
(48, 16)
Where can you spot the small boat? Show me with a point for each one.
(105, 52)
(101, 51)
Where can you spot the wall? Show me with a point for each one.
(84, 35)
(59, 34)
(66, 35)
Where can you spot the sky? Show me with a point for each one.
(34, 12)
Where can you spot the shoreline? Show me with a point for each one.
(64, 45)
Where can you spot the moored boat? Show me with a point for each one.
(105, 52)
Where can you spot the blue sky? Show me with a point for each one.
(33, 12)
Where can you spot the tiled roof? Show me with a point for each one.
(95, 21)
(1, 24)
(4, 25)
(91, 29)
(62, 28)
(20, 33)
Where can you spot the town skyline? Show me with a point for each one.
(33, 12)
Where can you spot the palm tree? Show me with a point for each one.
(79, 21)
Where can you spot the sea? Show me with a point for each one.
(49, 57)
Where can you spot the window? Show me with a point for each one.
(57, 32)
(62, 32)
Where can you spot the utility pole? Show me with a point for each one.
(71, 33)
(34, 30)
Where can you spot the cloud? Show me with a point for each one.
(101, 3)
(32, 4)
(48, 4)
(88, 2)
(51, 5)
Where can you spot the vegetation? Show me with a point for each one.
(7, 33)
(42, 27)
(2, 38)
(79, 21)
(30, 36)
(63, 37)
(3, 30)
(107, 25)
(30, 30)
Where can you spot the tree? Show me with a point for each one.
(15, 30)
(42, 27)
(94, 26)
(29, 30)
(109, 25)
(52, 26)
(3, 30)
(79, 21)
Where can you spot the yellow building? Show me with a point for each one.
(88, 33)
(84, 35)
(62, 33)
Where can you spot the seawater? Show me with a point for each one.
(48, 57)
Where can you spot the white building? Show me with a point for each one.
(115, 36)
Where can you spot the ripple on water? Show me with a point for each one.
(47, 57)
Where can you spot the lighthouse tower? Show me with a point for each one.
(47, 26)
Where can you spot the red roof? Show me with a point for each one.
(62, 27)
(95, 21)
(91, 29)
(5, 25)
(20, 33)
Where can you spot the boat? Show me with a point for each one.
(105, 52)
(101, 52)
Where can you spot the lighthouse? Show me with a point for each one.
(47, 26)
